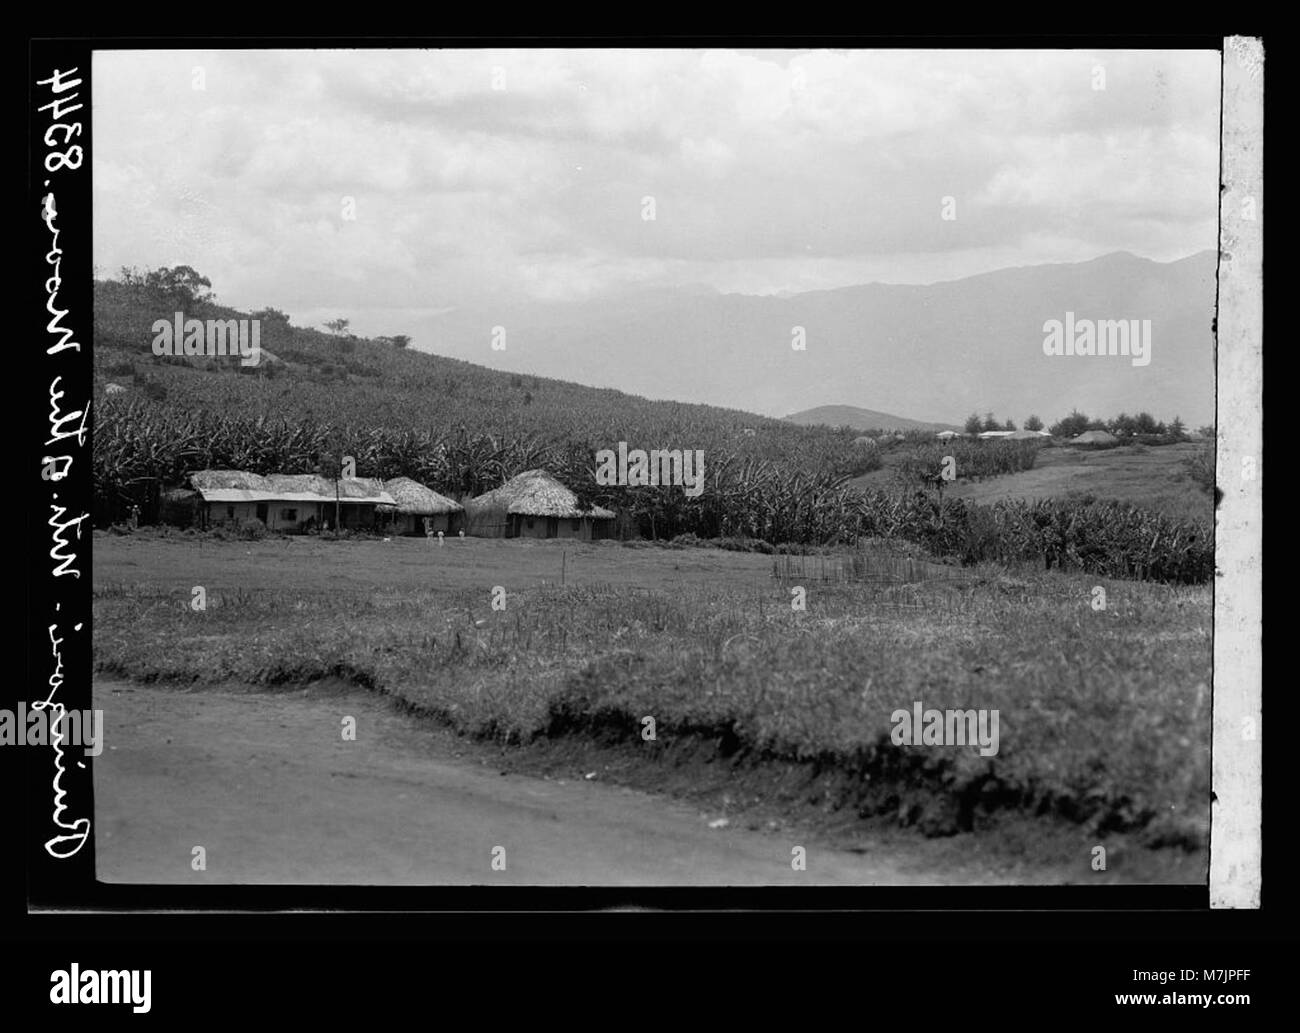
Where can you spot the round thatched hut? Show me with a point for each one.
(534, 504)
(420, 510)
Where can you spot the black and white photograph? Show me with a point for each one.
(642, 467)
(655, 502)
(624, 474)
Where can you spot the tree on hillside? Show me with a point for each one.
(272, 316)
(1033, 423)
(1071, 426)
(973, 424)
(181, 284)
(338, 327)
(990, 423)
(1009, 425)
(1177, 428)
(1146, 424)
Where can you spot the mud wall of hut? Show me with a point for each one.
(410, 524)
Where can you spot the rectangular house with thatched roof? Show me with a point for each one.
(419, 510)
(287, 502)
(535, 505)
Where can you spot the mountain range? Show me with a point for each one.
(861, 419)
(936, 352)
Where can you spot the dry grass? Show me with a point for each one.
(1104, 715)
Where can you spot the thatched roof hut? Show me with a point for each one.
(536, 493)
(418, 509)
(414, 499)
(202, 480)
(535, 504)
(1095, 437)
(350, 489)
(210, 483)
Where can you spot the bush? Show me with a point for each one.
(251, 530)
(1200, 468)
(1107, 538)
(743, 545)
(924, 463)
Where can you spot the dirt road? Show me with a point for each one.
(266, 784)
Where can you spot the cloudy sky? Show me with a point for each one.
(478, 175)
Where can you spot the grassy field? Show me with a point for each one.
(1104, 714)
(1154, 478)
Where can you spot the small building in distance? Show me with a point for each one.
(993, 435)
(947, 435)
(420, 510)
(1095, 437)
(287, 502)
(534, 504)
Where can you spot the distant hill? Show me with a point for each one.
(861, 419)
(937, 352)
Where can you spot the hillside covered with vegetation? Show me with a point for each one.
(464, 429)
(456, 426)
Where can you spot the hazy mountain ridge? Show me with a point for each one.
(937, 352)
(861, 419)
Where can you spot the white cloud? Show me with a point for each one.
(770, 170)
